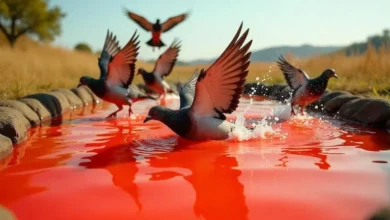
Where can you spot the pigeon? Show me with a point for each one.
(305, 90)
(157, 28)
(208, 95)
(162, 68)
(117, 67)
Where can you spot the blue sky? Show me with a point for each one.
(213, 23)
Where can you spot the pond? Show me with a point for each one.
(83, 166)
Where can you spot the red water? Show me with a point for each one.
(90, 168)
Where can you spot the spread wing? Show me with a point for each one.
(141, 21)
(167, 60)
(219, 88)
(173, 21)
(110, 49)
(295, 77)
(122, 67)
(187, 92)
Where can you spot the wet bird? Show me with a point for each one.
(208, 95)
(117, 67)
(304, 90)
(157, 28)
(162, 68)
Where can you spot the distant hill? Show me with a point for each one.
(272, 53)
(376, 41)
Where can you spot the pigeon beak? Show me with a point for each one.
(148, 118)
(336, 76)
(79, 85)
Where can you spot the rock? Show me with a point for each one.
(24, 109)
(73, 99)
(95, 98)
(5, 146)
(37, 107)
(284, 95)
(348, 109)
(83, 94)
(55, 102)
(374, 112)
(326, 96)
(13, 124)
(333, 105)
(64, 103)
(275, 90)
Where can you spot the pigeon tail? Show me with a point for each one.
(153, 44)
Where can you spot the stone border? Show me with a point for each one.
(372, 112)
(17, 116)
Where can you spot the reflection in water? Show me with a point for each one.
(89, 167)
(115, 160)
(214, 178)
(311, 152)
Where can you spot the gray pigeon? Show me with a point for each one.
(208, 95)
(305, 90)
(117, 67)
(162, 68)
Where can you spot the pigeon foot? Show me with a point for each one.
(112, 115)
(292, 111)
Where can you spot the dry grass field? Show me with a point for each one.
(31, 67)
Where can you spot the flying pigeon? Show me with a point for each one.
(117, 67)
(305, 90)
(208, 95)
(157, 28)
(162, 68)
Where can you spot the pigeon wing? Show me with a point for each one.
(295, 77)
(219, 88)
(187, 92)
(110, 49)
(173, 21)
(122, 67)
(141, 21)
(167, 60)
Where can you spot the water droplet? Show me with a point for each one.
(257, 78)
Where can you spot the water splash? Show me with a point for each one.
(242, 133)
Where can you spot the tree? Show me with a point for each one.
(32, 17)
(83, 47)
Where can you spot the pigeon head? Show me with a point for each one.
(158, 21)
(330, 73)
(156, 113)
(141, 71)
(84, 80)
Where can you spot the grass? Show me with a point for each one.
(31, 68)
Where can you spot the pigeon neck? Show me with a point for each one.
(98, 87)
(178, 121)
(148, 77)
(318, 85)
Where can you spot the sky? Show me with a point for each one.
(213, 23)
